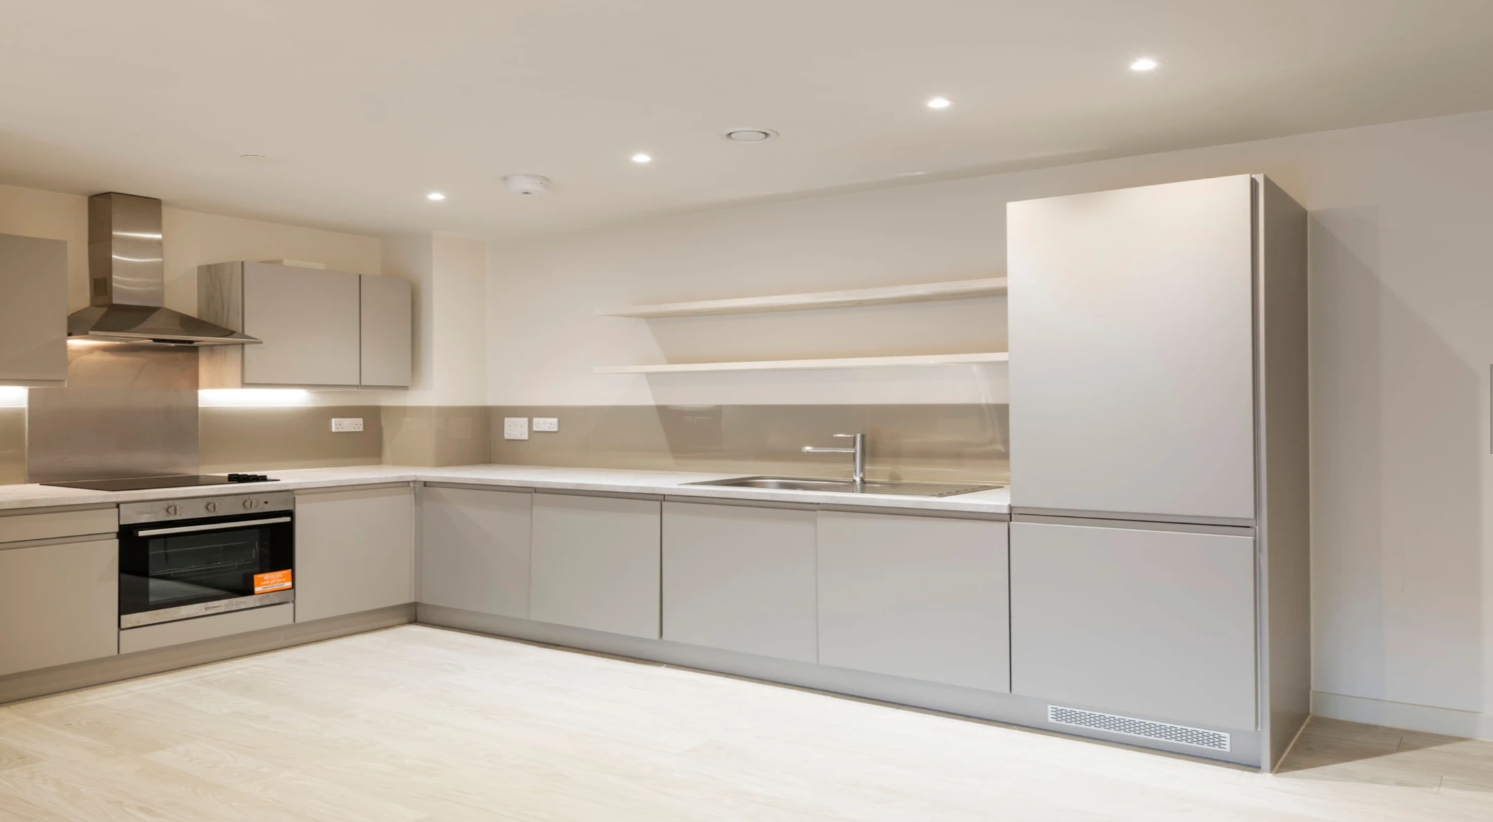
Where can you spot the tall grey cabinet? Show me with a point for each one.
(1158, 393)
(33, 314)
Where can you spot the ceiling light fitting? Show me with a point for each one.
(641, 158)
(1145, 64)
(528, 184)
(435, 196)
(940, 102)
(750, 135)
(254, 158)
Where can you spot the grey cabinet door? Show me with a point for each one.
(916, 597)
(309, 321)
(59, 603)
(1159, 624)
(387, 334)
(1132, 355)
(475, 550)
(33, 311)
(740, 578)
(354, 551)
(595, 563)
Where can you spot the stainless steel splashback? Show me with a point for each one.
(128, 411)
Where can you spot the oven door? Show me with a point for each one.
(191, 568)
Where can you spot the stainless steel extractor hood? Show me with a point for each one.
(127, 281)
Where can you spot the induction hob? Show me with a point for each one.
(147, 483)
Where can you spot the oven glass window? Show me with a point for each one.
(172, 570)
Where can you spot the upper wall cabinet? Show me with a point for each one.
(320, 329)
(386, 332)
(33, 311)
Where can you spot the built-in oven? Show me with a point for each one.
(187, 558)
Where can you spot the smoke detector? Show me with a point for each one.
(530, 184)
(750, 135)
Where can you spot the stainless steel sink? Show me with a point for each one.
(834, 486)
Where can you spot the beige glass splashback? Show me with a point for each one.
(963, 442)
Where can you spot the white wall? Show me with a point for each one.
(1402, 339)
(450, 276)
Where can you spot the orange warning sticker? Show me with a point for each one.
(272, 581)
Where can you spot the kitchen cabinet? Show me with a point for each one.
(475, 550)
(386, 314)
(595, 563)
(1132, 350)
(917, 597)
(319, 329)
(740, 578)
(33, 314)
(355, 551)
(59, 602)
(1155, 623)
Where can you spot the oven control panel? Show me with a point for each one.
(134, 513)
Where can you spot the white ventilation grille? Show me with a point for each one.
(1145, 729)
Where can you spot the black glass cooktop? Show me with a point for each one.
(146, 483)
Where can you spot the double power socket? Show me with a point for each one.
(517, 428)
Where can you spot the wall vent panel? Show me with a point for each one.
(1141, 728)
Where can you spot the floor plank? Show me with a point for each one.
(419, 724)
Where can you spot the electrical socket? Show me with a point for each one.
(546, 423)
(344, 425)
(515, 428)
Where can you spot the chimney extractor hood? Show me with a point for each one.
(127, 281)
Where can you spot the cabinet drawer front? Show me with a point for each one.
(596, 563)
(59, 604)
(55, 524)
(195, 630)
(475, 551)
(915, 597)
(740, 578)
(1159, 624)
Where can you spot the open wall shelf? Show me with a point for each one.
(963, 289)
(799, 365)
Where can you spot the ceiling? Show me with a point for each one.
(365, 106)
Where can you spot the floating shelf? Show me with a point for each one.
(800, 365)
(963, 289)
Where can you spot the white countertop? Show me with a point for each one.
(515, 476)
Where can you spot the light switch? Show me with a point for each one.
(344, 425)
(515, 428)
(546, 423)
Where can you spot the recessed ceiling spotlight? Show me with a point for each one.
(436, 196)
(750, 135)
(1145, 64)
(940, 102)
(254, 158)
(641, 158)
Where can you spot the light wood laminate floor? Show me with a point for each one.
(418, 723)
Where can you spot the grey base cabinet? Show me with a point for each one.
(915, 597)
(1159, 624)
(595, 563)
(740, 578)
(355, 551)
(475, 550)
(59, 603)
